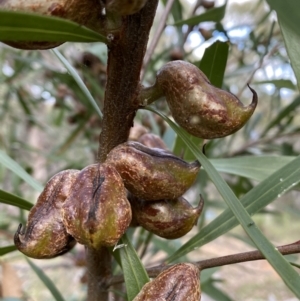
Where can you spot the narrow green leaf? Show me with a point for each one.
(215, 14)
(287, 12)
(18, 26)
(292, 45)
(11, 164)
(78, 80)
(8, 249)
(214, 61)
(254, 167)
(11, 199)
(46, 280)
(278, 83)
(275, 258)
(134, 272)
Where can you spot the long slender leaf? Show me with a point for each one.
(254, 167)
(11, 164)
(292, 45)
(287, 12)
(275, 258)
(214, 61)
(215, 14)
(8, 249)
(11, 199)
(46, 280)
(78, 80)
(134, 272)
(19, 26)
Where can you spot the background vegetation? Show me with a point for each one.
(48, 123)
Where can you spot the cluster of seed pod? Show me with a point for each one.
(91, 206)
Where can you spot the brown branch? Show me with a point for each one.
(217, 262)
(125, 57)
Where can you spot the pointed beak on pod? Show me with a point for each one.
(169, 219)
(97, 212)
(177, 283)
(152, 173)
(201, 109)
(45, 235)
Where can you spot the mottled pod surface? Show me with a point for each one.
(87, 12)
(178, 283)
(152, 173)
(97, 212)
(169, 219)
(45, 235)
(200, 108)
(125, 7)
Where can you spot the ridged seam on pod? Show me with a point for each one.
(125, 7)
(196, 105)
(152, 173)
(169, 219)
(97, 212)
(45, 235)
(86, 13)
(178, 283)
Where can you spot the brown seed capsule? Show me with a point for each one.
(86, 13)
(200, 108)
(178, 283)
(97, 212)
(152, 173)
(169, 219)
(45, 235)
(125, 7)
(152, 141)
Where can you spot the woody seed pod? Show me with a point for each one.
(45, 235)
(200, 108)
(152, 174)
(125, 7)
(177, 283)
(169, 219)
(97, 212)
(87, 13)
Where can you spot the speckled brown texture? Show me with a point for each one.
(152, 173)
(87, 13)
(97, 212)
(179, 283)
(125, 7)
(200, 108)
(169, 219)
(45, 235)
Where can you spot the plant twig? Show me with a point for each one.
(125, 57)
(218, 261)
